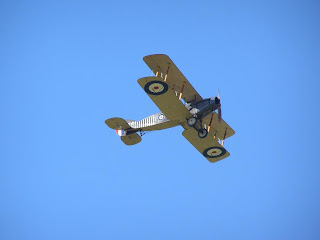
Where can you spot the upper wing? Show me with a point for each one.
(164, 98)
(221, 129)
(208, 147)
(163, 66)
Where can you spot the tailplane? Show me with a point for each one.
(131, 139)
(127, 134)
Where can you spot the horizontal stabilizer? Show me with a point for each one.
(117, 123)
(131, 139)
(123, 129)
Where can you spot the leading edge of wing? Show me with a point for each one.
(208, 147)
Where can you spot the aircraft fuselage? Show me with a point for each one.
(202, 108)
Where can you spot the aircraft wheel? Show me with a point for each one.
(202, 133)
(192, 121)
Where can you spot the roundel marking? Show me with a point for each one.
(156, 87)
(214, 152)
(161, 116)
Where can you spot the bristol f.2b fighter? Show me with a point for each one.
(180, 104)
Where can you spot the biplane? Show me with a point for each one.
(180, 104)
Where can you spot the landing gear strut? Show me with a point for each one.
(202, 132)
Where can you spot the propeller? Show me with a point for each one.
(217, 101)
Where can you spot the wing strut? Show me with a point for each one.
(165, 78)
(210, 123)
(224, 137)
(181, 91)
(209, 127)
(157, 73)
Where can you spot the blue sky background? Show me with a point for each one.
(66, 66)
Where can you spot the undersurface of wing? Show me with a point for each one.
(208, 146)
(162, 64)
(221, 129)
(165, 99)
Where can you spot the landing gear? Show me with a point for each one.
(202, 133)
(192, 122)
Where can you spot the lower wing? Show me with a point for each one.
(208, 146)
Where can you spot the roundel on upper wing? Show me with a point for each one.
(214, 152)
(156, 87)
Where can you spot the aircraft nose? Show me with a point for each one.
(217, 100)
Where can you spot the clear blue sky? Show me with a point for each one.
(66, 66)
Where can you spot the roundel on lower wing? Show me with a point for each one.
(214, 152)
(156, 87)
